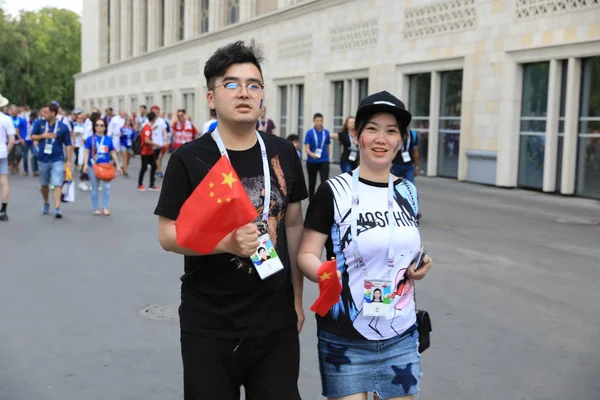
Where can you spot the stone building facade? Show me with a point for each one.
(503, 92)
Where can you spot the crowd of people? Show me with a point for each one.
(238, 326)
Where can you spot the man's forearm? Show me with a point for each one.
(69, 153)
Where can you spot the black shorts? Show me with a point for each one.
(267, 367)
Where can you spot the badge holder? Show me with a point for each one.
(265, 259)
(377, 300)
(318, 153)
(406, 156)
(352, 156)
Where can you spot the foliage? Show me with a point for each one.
(40, 51)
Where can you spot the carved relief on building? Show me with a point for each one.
(136, 78)
(358, 34)
(151, 75)
(169, 71)
(190, 68)
(294, 46)
(439, 18)
(538, 8)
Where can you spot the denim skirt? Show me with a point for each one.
(388, 368)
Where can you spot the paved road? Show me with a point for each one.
(514, 297)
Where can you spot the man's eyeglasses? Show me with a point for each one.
(253, 88)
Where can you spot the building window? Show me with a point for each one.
(84, 105)
(338, 105)
(149, 100)
(449, 132)
(363, 88)
(534, 109)
(109, 102)
(144, 11)
(588, 138)
(133, 103)
(561, 123)
(204, 16)
(181, 23)
(167, 102)
(233, 11)
(189, 105)
(283, 111)
(418, 105)
(121, 104)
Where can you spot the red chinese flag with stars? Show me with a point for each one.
(330, 288)
(218, 206)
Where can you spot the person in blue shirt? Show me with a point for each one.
(30, 147)
(52, 135)
(317, 144)
(126, 141)
(99, 149)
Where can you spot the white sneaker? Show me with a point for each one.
(83, 186)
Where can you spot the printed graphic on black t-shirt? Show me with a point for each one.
(330, 213)
(222, 295)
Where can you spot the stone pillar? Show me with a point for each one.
(170, 15)
(247, 9)
(192, 18)
(115, 30)
(509, 125)
(466, 116)
(571, 126)
(126, 28)
(216, 15)
(553, 107)
(153, 24)
(434, 123)
(137, 32)
(104, 34)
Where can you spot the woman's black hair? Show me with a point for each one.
(234, 53)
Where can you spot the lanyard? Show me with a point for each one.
(354, 224)
(322, 139)
(266, 170)
(351, 139)
(55, 129)
(100, 146)
(406, 144)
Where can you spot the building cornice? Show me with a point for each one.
(291, 12)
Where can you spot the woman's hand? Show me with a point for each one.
(422, 271)
(85, 169)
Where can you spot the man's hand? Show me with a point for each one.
(49, 135)
(416, 170)
(243, 241)
(85, 169)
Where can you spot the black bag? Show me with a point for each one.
(137, 146)
(424, 327)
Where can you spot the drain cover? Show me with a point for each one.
(161, 312)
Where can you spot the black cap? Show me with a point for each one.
(382, 102)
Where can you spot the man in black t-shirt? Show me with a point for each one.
(236, 328)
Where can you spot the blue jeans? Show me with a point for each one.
(95, 185)
(34, 157)
(52, 173)
(404, 171)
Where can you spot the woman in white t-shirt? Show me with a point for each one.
(77, 133)
(368, 341)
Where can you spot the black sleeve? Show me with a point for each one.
(298, 190)
(176, 189)
(319, 216)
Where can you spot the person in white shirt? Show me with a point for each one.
(159, 136)
(7, 141)
(114, 129)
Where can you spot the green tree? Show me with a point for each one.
(40, 53)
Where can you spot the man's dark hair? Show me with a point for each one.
(181, 110)
(151, 116)
(293, 137)
(144, 107)
(317, 115)
(225, 57)
(52, 107)
(109, 109)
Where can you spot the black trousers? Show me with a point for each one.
(149, 159)
(267, 367)
(312, 169)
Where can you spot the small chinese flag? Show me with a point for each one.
(330, 288)
(218, 206)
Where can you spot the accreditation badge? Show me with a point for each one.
(377, 300)
(265, 259)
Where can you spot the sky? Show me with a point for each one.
(13, 6)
